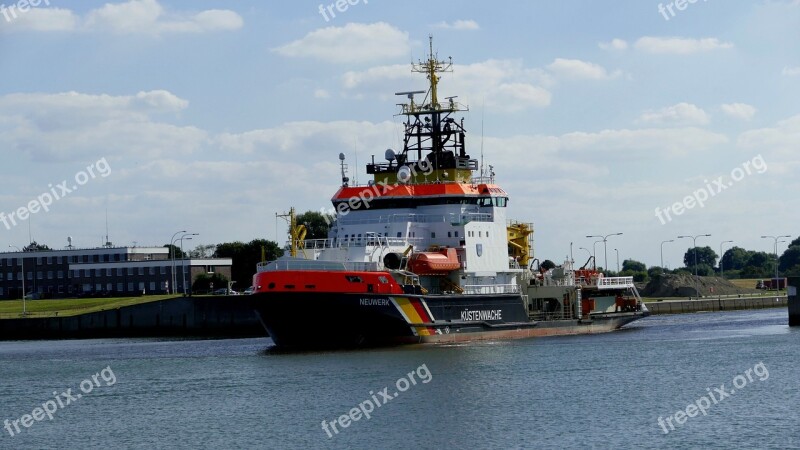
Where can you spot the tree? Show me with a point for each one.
(655, 272)
(734, 258)
(705, 255)
(790, 258)
(33, 246)
(176, 251)
(316, 223)
(203, 282)
(761, 260)
(633, 266)
(245, 257)
(202, 251)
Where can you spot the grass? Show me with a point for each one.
(12, 309)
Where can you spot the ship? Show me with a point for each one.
(424, 253)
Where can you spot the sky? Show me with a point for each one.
(652, 119)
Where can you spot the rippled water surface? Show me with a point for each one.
(603, 391)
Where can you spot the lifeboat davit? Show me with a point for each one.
(440, 262)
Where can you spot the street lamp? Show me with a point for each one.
(694, 248)
(721, 270)
(183, 259)
(662, 251)
(617, 261)
(172, 257)
(22, 260)
(777, 283)
(605, 245)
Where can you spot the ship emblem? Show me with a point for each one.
(479, 249)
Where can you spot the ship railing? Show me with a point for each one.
(546, 316)
(298, 264)
(475, 289)
(454, 219)
(482, 180)
(363, 241)
(395, 218)
(614, 282)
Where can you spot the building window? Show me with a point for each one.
(1, 291)
(60, 274)
(130, 270)
(152, 286)
(433, 235)
(152, 270)
(49, 274)
(39, 275)
(98, 287)
(130, 287)
(102, 272)
(163, 270)
(141, 271)
(141, 285)
(119, 287)
(38, 260)
(108, 286)
(456, 233)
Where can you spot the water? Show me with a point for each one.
(604, 391)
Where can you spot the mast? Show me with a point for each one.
(432, 138)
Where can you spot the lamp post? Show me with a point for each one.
(777, 283)
(183, 259)
(662, 251)
(22, 261)
(172, 257)
(605, 245)
(617, 261)
(694, 248)
(721, 269)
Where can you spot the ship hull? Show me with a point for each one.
(342, 320)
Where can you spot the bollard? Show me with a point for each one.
(794, 302)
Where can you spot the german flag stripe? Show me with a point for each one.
(415, 313)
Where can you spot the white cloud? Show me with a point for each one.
(682, 114)
(321, 93)
(464, 25)
(500, 85)
(73, 125)
(580, 70)
(679, 46)
(41, 19)
(783, 140)
(739, 110)
(615, 44)
(131, 17)
(791, 71)
(353, 43)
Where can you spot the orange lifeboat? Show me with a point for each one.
(439, 262)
